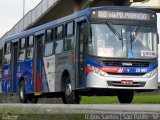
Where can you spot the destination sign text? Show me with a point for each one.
(124, 15)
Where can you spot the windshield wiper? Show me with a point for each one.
(113, 29)
(133, 37)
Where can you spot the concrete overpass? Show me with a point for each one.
(48, 10)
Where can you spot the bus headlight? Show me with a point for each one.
(152, 73)
(99, 71)
(102, 73)
(96, 70)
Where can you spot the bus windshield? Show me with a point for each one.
(123, 41)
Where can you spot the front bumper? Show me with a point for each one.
(94, 80)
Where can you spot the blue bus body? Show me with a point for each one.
(36, 71)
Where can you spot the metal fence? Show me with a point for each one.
(29, 18)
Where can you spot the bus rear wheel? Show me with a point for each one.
(125, 96)
(26, 98)
(69, 96)
(22, 92)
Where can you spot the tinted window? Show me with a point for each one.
(21, 55)
(49, 35)
(7, 58)
(22, 43)
(68, 44)
(70, 29)
(7, 53)
(29, 53)
(59, 32)
(48, 49)
(31, 41)
(59, 46)
(8, 48)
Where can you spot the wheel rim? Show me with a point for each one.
(21, 94)
(69, 96)
(68, 90)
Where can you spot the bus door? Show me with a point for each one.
(80, 54)
(14, 67)
(38, 63)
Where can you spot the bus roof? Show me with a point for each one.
(70, 17)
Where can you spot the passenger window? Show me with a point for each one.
(31, 41)
(23, 43)
(48, 49)
(59, 32)
(29, 49)
(49, 35)
(7, 53)
(7, 48)
(29, 53)
(21, 55)
(70, 29)
(59, 46)
(7, 58)
(68, 42)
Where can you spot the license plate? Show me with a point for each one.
(127, 82)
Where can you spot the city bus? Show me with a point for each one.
(99, 51)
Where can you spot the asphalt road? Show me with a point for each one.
(4, 98)
(52, 107)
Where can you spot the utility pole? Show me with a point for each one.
(23, 12)
(23, 8)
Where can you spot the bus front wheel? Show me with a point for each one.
(69, 96)
(125, 96)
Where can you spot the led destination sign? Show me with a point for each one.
(124, 15)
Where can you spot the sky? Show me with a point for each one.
(11, 11)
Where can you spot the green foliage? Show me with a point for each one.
(138, 99)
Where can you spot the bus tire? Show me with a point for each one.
(125, 96)
(69, 96)
(22, 92)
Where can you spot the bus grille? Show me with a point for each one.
(126, 63)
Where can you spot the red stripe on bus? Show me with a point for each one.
(88, 69)
(38, 83)
(109, 69)
(32, 71)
